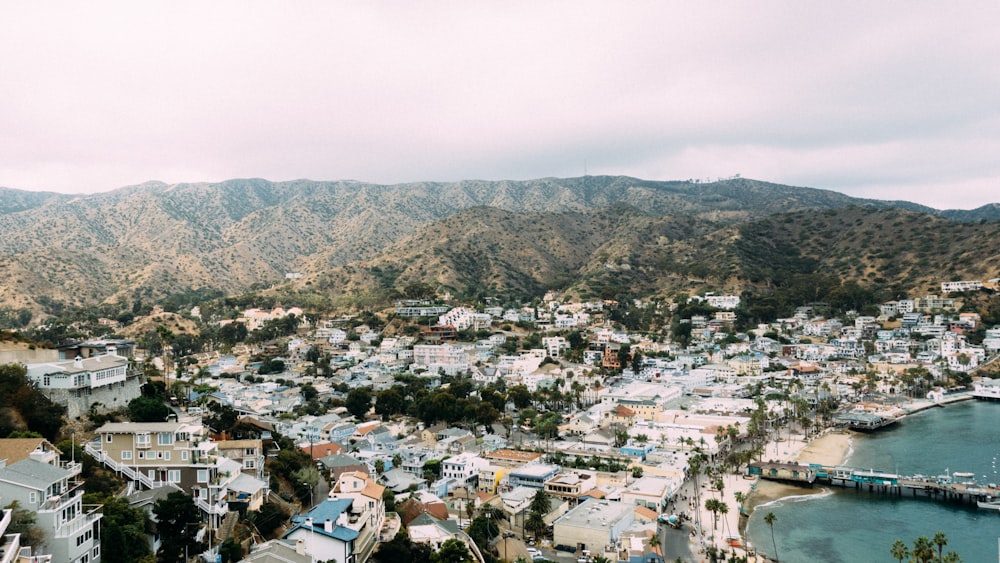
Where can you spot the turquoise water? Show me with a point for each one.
(848, 525)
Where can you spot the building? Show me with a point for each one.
(651, 492)
(570, 485)
(325, 532)
(533, 475)
(367, 510)
(593, 524)
(103, 381)
(464, 467)
(43, 485)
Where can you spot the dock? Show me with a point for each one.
(952, 487)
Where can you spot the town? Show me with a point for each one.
(439, 431)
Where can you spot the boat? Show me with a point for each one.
(989, 503)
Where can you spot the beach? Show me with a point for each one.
(726, 533)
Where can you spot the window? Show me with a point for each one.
(107, 438)
(32, 497)
(166, 456)
(142, 440)
(127, 454)
(174, 475)
(203, 476)
(165, 438)
(184, 456)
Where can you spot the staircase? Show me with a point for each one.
(227, 525)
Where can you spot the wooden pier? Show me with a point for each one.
(957, 487)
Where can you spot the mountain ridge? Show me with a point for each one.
(141, 243)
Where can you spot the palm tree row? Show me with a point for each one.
(923, 550)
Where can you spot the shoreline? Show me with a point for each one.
(728, 531)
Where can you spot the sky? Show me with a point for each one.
(882, 100)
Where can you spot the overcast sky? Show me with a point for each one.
(889, 100)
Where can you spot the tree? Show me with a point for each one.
(899, 551)
(147, 409)
(540, 502)
(520, 396)
(123, 532)
(769, 519)
(389, 402)
(177, 520)
(359, 401)
(22, 521)
(230, 551)
(940, 540)
(452, 551)
(923, 550)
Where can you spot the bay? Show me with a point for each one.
(850, 525)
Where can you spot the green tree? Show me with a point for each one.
(452, 551)
(940, 540)
(900, 551)
(770, 519)
(923, 550)
(359, 401)
(22, 521)
(123, 532)
(520, 396)
(389, 402)
(147, 409)
(177, 521)
(230, 551)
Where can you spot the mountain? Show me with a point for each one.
(620, 250)
(142, 243)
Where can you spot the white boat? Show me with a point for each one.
(989, 503)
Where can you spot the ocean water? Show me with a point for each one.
(846, 525)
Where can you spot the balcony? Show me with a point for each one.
(87, 518)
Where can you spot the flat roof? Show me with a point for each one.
(596, 513)
(513, 455)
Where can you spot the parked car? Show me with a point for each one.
(534, 552)
(568, 548)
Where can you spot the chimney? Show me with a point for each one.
(328, 526)
(111, 350)
(78, 362)
(300, 547)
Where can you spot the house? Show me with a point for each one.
(429, 530)
(278, 551)
(81, 382)
(367, 513)
(325, 531)
(464, 467)
(50, 489)
(250, 454)
(12, 550)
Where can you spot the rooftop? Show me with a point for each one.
(596, 513)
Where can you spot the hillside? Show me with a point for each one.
(145, 242)
(621, 251)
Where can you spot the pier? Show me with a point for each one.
(953, 487)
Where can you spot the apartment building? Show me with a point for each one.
(49, 488)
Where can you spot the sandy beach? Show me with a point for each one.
(830, 448)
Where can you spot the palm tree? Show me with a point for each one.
(769, 519)
(951, 557)
(712, 505)
(940, 540)
(900, 551)
(923, 550)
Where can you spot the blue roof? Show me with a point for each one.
(326, 510)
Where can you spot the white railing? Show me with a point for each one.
(210, 508)
(80, 522)
(124, 469)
